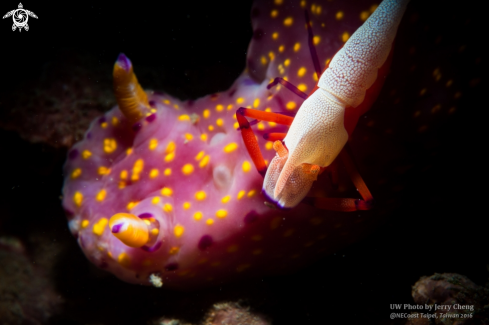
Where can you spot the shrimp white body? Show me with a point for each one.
(318, 134)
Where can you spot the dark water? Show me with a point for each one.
(192, 50)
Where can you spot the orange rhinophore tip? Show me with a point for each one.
(132, 100)
(129, 229)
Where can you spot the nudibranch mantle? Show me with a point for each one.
(183, 169)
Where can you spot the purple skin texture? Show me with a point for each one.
(190, 170)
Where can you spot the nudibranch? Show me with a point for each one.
(163, 191)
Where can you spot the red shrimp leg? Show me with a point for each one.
(274, 136)
(348, 204)
(248, 135)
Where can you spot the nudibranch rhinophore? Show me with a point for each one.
(162, 191)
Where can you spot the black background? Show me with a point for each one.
(199, 48)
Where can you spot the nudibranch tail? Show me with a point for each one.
(131, 98)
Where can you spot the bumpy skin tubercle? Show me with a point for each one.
(318, 132)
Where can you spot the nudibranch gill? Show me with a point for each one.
(163, 191)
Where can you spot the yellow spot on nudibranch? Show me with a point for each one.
(167, 172)
(297, 47)
(166, 191)
(274, 13)
(256, 102)
(178, 230)
(241, 194)
(226, 199)
(187, 169)
(85, 223)
(288, 21)
(275, 35)
(269, 145)
(167, 207)
(115, 121)
(209, 222)
(230, 147)
(203, 137)
(364, 15)
(169, 157)
(153, 143)
(186, 205)
(99, 227)
(219, 108)
(221, 214)
(236, 125)
(104, 125)
(281, 48)
(263, 60)
(206, 113)
(109, 145)
(204, 161)
(251, 193)
(246, 166)
(86, 154)
(155, 200)
(302, 87)
(76, 173)
(138, 166)
(123, 259)
(170, 147)
(339, 15)
(198, 215)
(173, 250)
(200, 195)
(199, 155)
(129, 151)
(188, 137)
(184, 117)
(316, 39)
(219, 122)
(345, 36)
(78, 198)
(291, 105)
(301, 72)
(154, 173)
(131, 205)
(240, 100)
(210, 128)
(101, 195)
(103, 170)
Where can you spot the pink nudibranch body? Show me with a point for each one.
(184, 171)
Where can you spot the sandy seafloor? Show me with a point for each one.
(191, 51)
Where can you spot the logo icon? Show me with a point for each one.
(20, 17)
